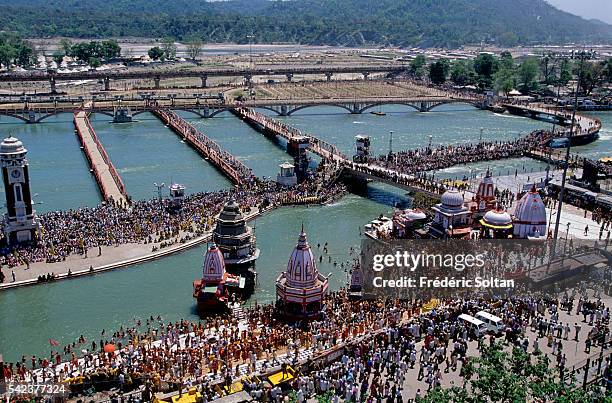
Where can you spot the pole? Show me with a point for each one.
(390, 143)
(567, 155)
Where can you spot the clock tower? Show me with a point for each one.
(20, 221)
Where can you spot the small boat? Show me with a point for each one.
(378, 113)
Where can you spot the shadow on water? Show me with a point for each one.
(386, 195)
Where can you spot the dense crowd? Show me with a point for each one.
(152, 221)
(444, 156)
(387, 341)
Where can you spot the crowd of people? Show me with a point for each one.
(154, 221)
(412, 162)
(385, 342)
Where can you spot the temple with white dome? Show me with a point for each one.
(496, 224)
(301, 288)
(530, 216)
(216, 285)
(452, 218)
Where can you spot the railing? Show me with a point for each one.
(222, 159)
(106, 158)
(97, 175)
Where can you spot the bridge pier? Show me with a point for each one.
(289, 77)
(283, 110)
(206, 113)
(156, 80)
(423, 107)
(203, 78)
(31, 117)
(356, 109)
(106, 84)
(366, 75)
(52, 83)
(328, 76)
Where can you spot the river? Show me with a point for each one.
(145, 152)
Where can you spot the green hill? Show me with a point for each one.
(448, 23)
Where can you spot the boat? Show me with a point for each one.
(378, 113)
(237, 243)
(380, 228)
(217, 287)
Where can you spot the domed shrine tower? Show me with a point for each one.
(213, 269)
(496, 224)
(20, 221)
(301, 288)
(485, 196)
(216, 285)
(452, 218)
(530, 216)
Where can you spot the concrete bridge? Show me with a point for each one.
(203, 73)
(35, 112)
(108, 179)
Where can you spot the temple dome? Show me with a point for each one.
(452, 199)
(302, 268)
(530, 215)
(414, 214)
(497, 217)
(12, 145)
(214, 265)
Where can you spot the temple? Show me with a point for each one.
(530, 216)
(301, 288)
(216, 285)
(237, 243)
(452, 218)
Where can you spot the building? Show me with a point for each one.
(213, 290)
(452, 219)
(485, 195)
(287, 176)
(301, 288)
(20, 221)
(177, 195)
(530, 216)
(496, 224)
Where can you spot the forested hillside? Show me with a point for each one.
(448, 23)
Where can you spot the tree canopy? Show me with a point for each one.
(442, 23)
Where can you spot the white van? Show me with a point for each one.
(475, 325)
(494, 323)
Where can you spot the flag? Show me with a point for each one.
(53, 342)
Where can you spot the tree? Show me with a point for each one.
(194, 48)
(499, 376)
(169, 48)
(66, 46)
(485, 66)
(109, 49)
(94, 62)
(506, 60)
(548, 69)
(590, 75)
(565, 73)
(504, 80)
(437, 73)
(156, 53)
(25, 55)
(58, 57)
(527, 74)
(462, 73)
(417, 66)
